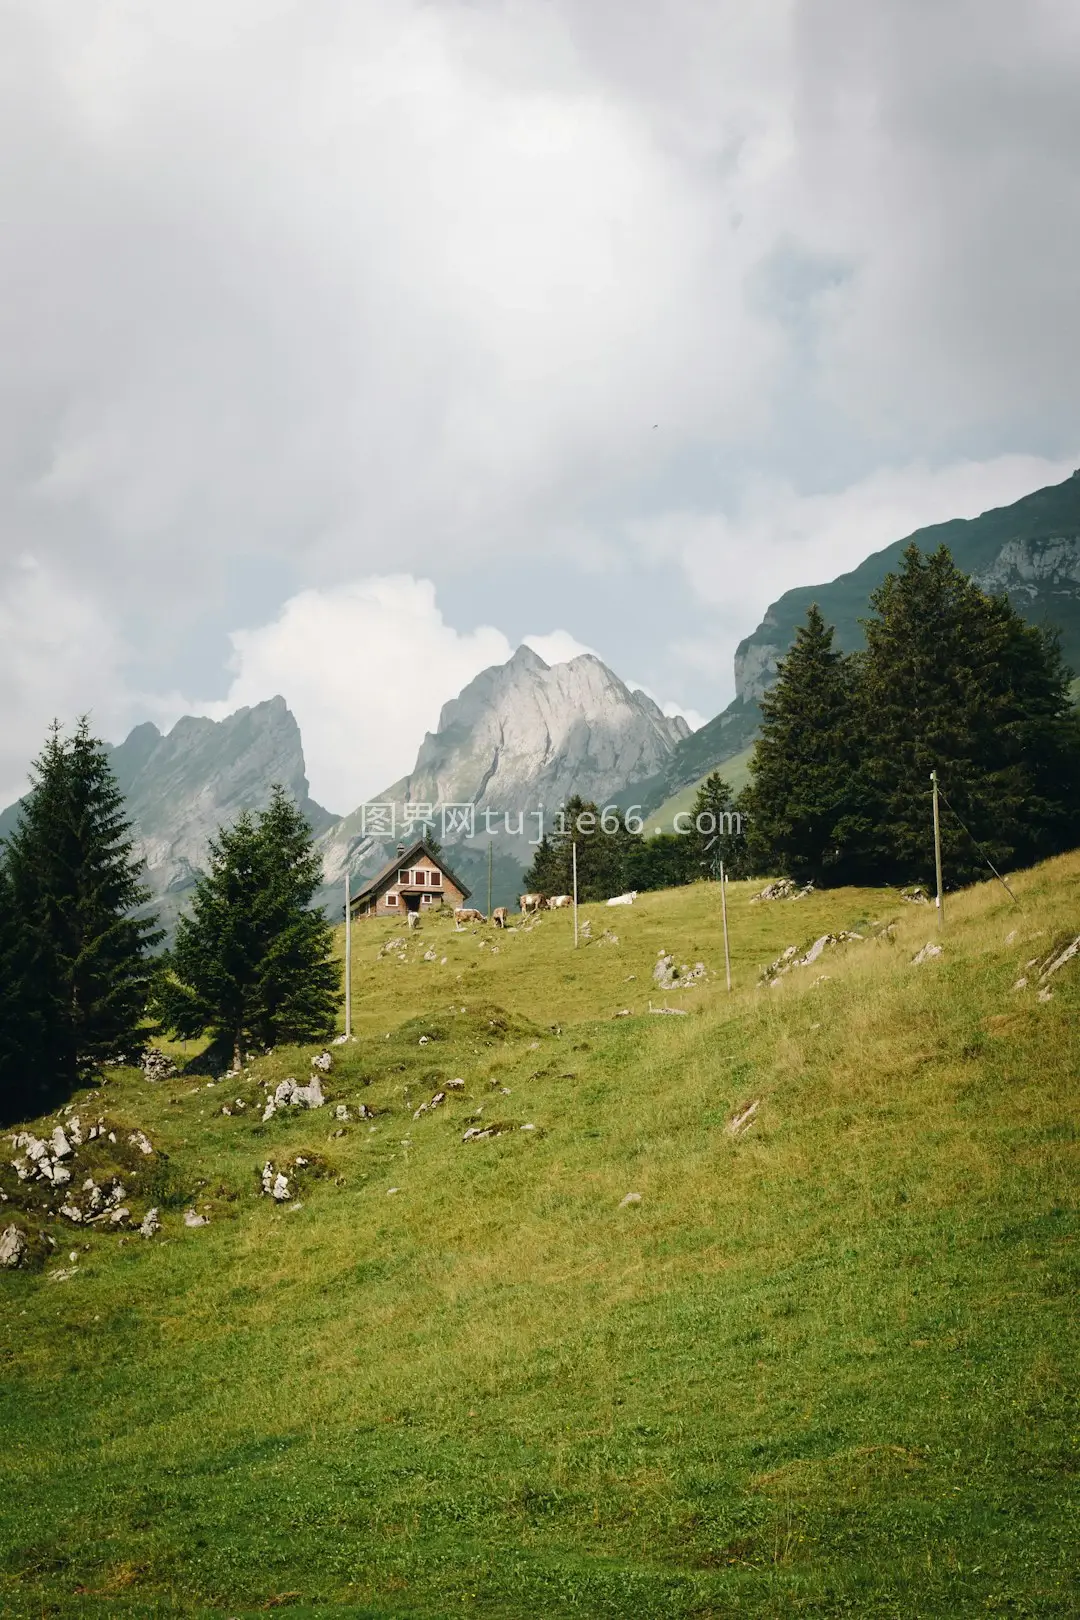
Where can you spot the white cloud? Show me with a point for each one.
(365, 668)
(780, 538)
(558, 647)
(61, 658)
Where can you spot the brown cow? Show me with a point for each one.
(530, 902)
(467, 914)
(498, 916)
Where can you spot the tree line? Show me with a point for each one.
(82, 982)
(951, 679)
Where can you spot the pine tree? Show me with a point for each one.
(82, 968)
(253, 963)
(954, 680)
(716, 831)
(800, 803)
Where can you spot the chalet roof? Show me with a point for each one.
(382, 879)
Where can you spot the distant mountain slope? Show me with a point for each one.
(181, 787)
(1030, 550)
(522, 735)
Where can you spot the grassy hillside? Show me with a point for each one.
(736, 773)
(826, 1365)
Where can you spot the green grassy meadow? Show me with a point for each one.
(824, 1366)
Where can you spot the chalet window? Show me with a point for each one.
(435, 879)
(391, 899)
(425, 899)
(403, 877)
(419, 877)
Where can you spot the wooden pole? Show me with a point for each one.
(348, 959)
(573, 849)
(723, 908)
(489, 878)
(937, 854)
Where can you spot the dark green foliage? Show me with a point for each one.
(603, 845)
(800, 798)
(77, 969)
(252, 964)
(665, 861)
(717, 831)
(954, 680)
(951, 680)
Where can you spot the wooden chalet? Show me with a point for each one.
(415, 880)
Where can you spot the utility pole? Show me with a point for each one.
(348, 959)
(723, 908)
(489, 878)
(573, 854)
(937, 853)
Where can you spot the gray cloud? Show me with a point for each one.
(292, 294)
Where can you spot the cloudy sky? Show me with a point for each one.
(347, 343)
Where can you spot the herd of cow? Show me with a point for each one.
(530, 903)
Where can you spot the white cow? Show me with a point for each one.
(558, 901)
(624, 899)
(530, 902)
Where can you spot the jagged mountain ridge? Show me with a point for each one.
(1029, 550)
(522, 735)
(182, 786)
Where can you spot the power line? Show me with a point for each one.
(980, 847)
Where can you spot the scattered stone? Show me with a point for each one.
(623, 1012)
(672, 1012)
(13, 1247)
(424, 1040)
(391, 1190)
(151, 1224)
(669, 977)
(156, 1065)
(1059, 962)
(192, 1219)
(140, 1140)
(62, 1274)
(72, 1212)
(430, 954)
(1045, 993)
(1009, 937)
(341, 1112)
(61, 1147)
(1021, 983)
(117, 1217)
(927, 954)
(915, 895)
(322, 1062)
(528, 1127)
(434, 1102)
(339, 1040)
(631, 1198)
(743, 1120)
(782, 889)
(790, 958)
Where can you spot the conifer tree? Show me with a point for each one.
(800, 803)
(717, 833)
(253, 963)
(80, 965)
(954, 680)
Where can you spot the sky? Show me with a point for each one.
(349, 343)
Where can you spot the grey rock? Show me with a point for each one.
(150, 1224)
(13, 1247)
(927, 954)
(193, 1219)
(631, 1198)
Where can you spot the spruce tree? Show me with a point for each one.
(253, 963)
(954, 680)
(717, 833)
(80, 968)
(800, 803)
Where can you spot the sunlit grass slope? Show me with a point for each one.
(736, 773)
(824, 1366)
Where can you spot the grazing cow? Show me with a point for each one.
(498, 916)
(413, 919)
(624, 899)
(530, 902)
(558, 901)
(467, 914)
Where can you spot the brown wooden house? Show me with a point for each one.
(415, 880)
